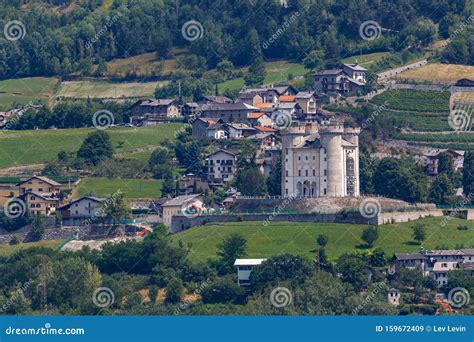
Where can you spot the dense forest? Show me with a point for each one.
(59, 37)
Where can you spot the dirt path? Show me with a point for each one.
(20, 169)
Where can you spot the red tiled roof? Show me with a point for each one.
(265, 129)
(286, 98)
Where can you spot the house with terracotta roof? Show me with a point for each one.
(263, 129)
(260, 119)
(269, 94)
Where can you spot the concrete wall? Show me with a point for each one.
(180, 223)
(470, 214)
(406, 216)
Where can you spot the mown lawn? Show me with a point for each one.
(131, 188)
(30, 147)
(25, 90)
(299, 238)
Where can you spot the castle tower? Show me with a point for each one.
(324, 167)
(331, 141)
(290, 138)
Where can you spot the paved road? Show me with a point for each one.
(396, 71)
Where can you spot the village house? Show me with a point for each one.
(39, 184)
(227, 112)
(272, 94)
(435, 263)
(465, 82)
(239, 130)
(190, 184)
(221, 167)
(190, 109)
(200, 127)
(260, 119)
(432, 160)
(152, 111)
(206, 99)
(244, 269)
(40, 203)
(350, 79)
(76, 212)
(180, 205)
(307, 101)
(292, 109)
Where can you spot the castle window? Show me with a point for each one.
(306, 173)
(306, 157)
(325, 172)
(299, 158)
(299, 173)
(325, 191)
(314, 172)
(286, 173)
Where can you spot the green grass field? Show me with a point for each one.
(6, 250)
(276, 72)
(299, 238)
(101, 89)
(365, 60)
(131, 188)
(30, 147)
(26, 90)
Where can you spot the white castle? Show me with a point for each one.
(320, 161)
